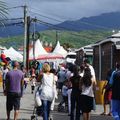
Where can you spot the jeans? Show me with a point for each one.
(75, 103)
(46, 109)
(116, 109)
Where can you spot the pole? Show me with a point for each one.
(56, 36)
(27, 43)
(25, 36)
(34, 37)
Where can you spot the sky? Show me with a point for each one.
(54, 11)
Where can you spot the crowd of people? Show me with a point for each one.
(76, 84)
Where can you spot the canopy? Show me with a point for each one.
(60, 50)
(50, 56)
(13, 54)
(39, 50)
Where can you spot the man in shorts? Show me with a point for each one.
(13, 91)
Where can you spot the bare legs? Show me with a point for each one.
(16, 112)
(8, 115)
(86, 116)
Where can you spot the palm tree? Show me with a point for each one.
(3, 11)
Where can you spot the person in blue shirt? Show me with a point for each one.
(115, 85)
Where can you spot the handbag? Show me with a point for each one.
(38, 101)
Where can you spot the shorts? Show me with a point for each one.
(107, 97)
(13, 101)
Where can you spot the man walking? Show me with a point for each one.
(13, 91)
(115, 84)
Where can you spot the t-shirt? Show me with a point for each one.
(13, 80)
(115, 82)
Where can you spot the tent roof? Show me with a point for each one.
(60, 50)
(13, 54)
(39, 50)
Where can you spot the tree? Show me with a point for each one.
(67, 45)
(3, 12)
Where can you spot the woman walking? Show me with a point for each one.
(87, 95)
(47, 93)
(75, 94)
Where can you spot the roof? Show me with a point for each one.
(114, 40)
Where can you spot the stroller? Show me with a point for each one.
(38, 110)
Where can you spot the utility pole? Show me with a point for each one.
(27, 42)
(34, 37)
(25, 36)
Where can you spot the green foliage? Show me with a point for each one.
(66, 38)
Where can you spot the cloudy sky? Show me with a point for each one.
(61, 10)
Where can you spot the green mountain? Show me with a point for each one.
(73, 39)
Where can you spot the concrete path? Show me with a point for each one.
(27, 106)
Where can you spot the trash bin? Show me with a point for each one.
(0, 79)
(98, 92)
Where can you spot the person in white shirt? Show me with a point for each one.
(47, 92)
(4, 71)
(55, 88)
(87, 94)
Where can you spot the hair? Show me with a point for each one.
(53, 71)
(15, 64)
(86, 61)
(46, 67)
(82, 68)
(76, 70)
(86, 80)
(117, 65)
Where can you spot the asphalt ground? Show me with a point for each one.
(27, 106)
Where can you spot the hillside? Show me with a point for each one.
(106, 21)
(75, 39)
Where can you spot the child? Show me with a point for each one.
(64, 94)
(33, 82)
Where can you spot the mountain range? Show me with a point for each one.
(106, 21)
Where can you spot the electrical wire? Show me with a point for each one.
(83, 22)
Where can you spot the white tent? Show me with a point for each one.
(13, 54)
(39, 50)
(60, 50)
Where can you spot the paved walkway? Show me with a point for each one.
(27, 105)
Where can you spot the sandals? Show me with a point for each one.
(109, 114)
(103, 113)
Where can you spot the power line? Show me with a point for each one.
(11, 24)
(83, 22)
(46, 16)
(15, 7)
(71, 24)
(7, 19)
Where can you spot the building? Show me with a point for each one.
(84, 52)
(106, 54)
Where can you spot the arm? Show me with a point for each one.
(111, 78)
(6, 84)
